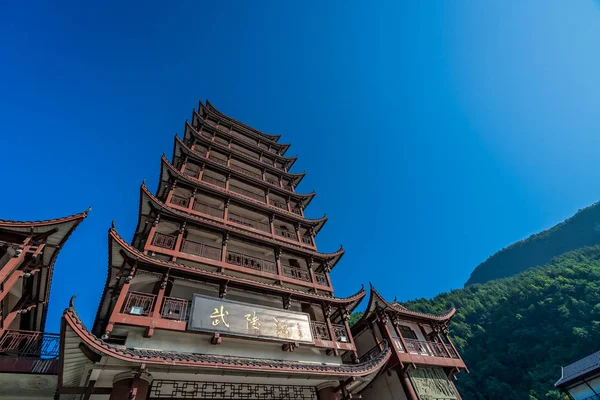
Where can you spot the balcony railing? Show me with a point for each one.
(306, 240)
(247, 193)
(272, 181)
(321, 279)
(174, 308)
(214, 181)
(398, 344)
(207, 209)
(180, 200)
(246, 171)
(297, 210)
(139, 303)
(286, 234)
(164, 241)
(341, 335)
(320, 330)
(191, 172)
(239, 219)
(426, 348)
(201, 249)
(593, 397)
(295, 272)
(251, 262)
(374, 352)
(218, 160)
(28, 344)
(453, 353)
(278, 204)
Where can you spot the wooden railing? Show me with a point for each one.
(286, 234)
(320, 331)
(272, 181)
(218, 160)
(251, 262)
(191, 172)
(164, 241)
(246, 172)
(139, 303)
(180, 200)
(321, 279)
(278, 204)
(452, 352)
(426, 348)
(29, 344)
(174, 308)
(247, 193)
(398, 344)
(374, 352)
(340, 333)
(240, 219)
(295, 272)
(306, 240)
(214, 181)
(207, 209)
(201, 249)
(297, 210)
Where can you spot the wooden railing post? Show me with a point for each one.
(119, 303)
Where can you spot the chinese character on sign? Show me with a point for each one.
(218, 316)
(300, 334)
(252, 321)
(281, 328)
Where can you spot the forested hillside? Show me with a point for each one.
(583, 229)
(515, 333)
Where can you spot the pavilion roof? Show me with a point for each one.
(211, 109)
(377, 302)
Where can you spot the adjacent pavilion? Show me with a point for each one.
(29, 356)
(424, 361)
(222, 293)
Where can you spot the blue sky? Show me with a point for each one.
(434, 133)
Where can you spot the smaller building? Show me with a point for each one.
(424, 361)
(581, 379)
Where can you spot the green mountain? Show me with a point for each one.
(515, 333)
(583, 229)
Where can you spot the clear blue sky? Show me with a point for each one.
(434, 134)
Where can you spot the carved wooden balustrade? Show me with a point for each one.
(218, 160)
(295, 272)
(247, 193)
(139, 303)
(174, 308)
(398, 343)
(321, 279)
(374, 352)
(286, 234)
(320, 331)
(251, 262)
(201, 249)
(340, 333)
(246, 172)
(272, 181)
(29, 344)
(214, 181)
(306, 240)
(278, 204)
(240, 219)
(426, 348)
(164, 241)
(297, 210)
(180, 200)
(207, 209)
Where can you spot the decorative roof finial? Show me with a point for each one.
(72, 301)
(114, 221)
(88, 210)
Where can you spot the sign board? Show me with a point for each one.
(210, 314)
(432, 384)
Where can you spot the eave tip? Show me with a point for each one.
(72, 301)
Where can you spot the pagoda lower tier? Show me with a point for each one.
(424, 361)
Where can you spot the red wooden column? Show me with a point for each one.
(119, 303)
(311, 271)
(345, 317)
(396, 324)
(226, 209)
(156, 315)
(227, 182)
(278, 262)
(183, 164)
(298, 238)
(151, 233)
(224, 250)
(179, 240)
(436, 330)
(192, 200)
(203, 166)
(272, 223)
(327, 312)
(171, 191)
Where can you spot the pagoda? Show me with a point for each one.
(222, 293)
(424, 360)
(29, 356)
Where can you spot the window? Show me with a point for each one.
(408, 333)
